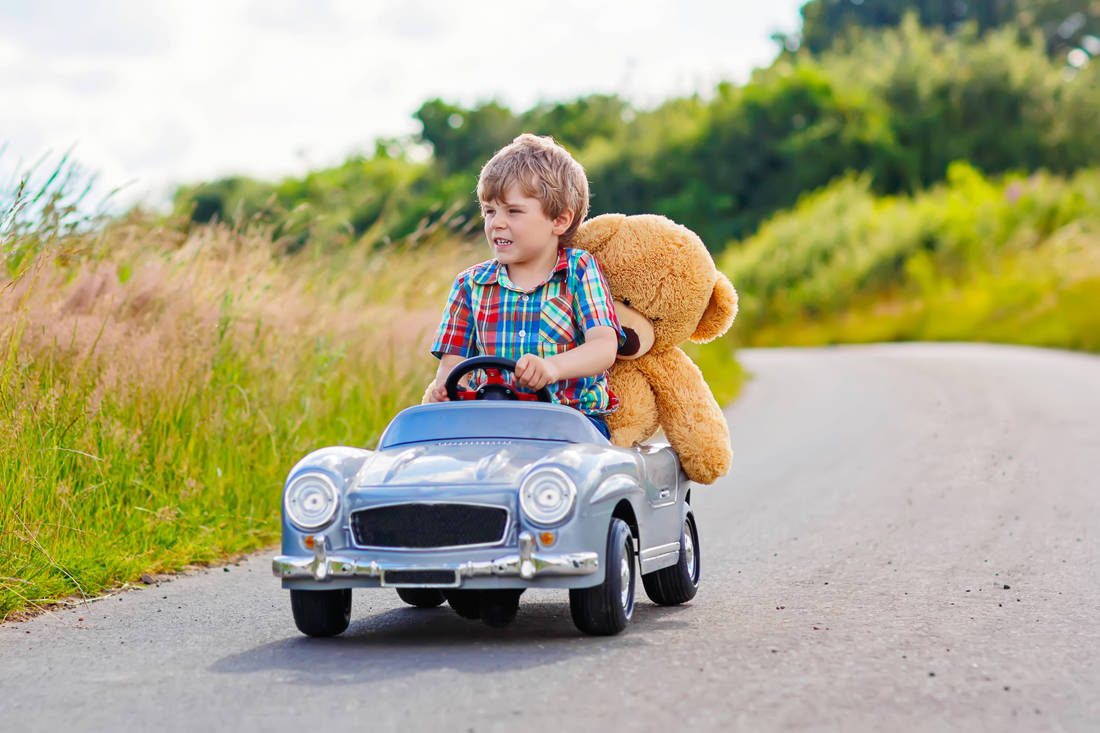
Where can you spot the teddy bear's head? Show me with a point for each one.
(664, 282)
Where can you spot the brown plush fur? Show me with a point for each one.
(663, 279)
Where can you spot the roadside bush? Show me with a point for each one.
(1010, 259)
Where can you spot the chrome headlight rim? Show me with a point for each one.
(320, 485)
(528, 494)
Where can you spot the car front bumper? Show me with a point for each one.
(527, 564)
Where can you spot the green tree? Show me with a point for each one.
(760, 146)
(900, 104)
(990, 101)
(579, 123)
(463, 139)
(1063, 24)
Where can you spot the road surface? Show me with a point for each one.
(908, 541)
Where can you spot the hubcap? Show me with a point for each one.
(689, 550)
(624, 583)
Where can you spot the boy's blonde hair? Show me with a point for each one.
(543, 170)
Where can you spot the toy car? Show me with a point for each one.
(475, 500)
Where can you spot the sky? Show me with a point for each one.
(149, 94)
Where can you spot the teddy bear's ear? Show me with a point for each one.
(720, 312)
(595, 232)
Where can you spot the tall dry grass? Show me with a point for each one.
(156, 385)
(157, 381)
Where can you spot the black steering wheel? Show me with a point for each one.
(494, 388)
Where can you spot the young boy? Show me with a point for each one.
(538, 301)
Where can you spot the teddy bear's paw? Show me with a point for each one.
(626, 438)
(427, 396)
(705, 474)
(706, 467)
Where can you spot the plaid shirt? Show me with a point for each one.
(487, 314)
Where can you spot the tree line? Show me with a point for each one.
(1006, 85)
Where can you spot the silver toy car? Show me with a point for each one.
(475, 500)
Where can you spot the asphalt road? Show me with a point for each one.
(908, 541)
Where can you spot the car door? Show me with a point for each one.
(660, 528)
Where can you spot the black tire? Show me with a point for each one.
(499, 607)
(466, 603)
(421, 597)
(321, 612)
(606, 609)
(678, 583)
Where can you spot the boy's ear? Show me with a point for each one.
(596, 232)
(720, 312)
(562, 222)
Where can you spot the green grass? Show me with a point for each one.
(718, 362)
(135, 441)
(1013, 260)
(157, 383)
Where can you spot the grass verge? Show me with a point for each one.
(1013, 260)
(156, 386)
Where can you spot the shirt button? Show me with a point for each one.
(522, 334)
(523, 297)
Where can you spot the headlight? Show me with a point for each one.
(311, 500)
(547, 495)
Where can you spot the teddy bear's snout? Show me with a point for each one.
(637, 329)
(632, 344)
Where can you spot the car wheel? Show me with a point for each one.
(499, 607)
(465, 603)
(421, 597)
(321, 612)
(606, 608)
(678, 583)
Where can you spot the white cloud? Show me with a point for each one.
(173, 91)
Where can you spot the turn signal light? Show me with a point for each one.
(547, 538)
(309, 542)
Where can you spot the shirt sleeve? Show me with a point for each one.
(593, 297)
(456, 329)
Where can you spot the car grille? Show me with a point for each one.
(429, 525)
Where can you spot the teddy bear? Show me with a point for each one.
(667, 290)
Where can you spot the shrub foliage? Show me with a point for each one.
(900, 104)
(1013, 259)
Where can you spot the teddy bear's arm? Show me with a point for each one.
(692, 419)
(427, 396)
(636, 418)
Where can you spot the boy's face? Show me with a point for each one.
(518, 230)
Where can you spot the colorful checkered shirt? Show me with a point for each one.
(487, 313)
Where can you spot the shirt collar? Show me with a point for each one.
(492, 271)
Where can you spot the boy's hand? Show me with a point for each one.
(534, 373)
(438, 392)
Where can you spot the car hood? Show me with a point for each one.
(465, 462)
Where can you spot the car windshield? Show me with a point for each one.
(489, 419)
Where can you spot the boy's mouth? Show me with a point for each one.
(502, 242)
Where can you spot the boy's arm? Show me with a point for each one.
(447, 362)
(455, 339)
(593, 357)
